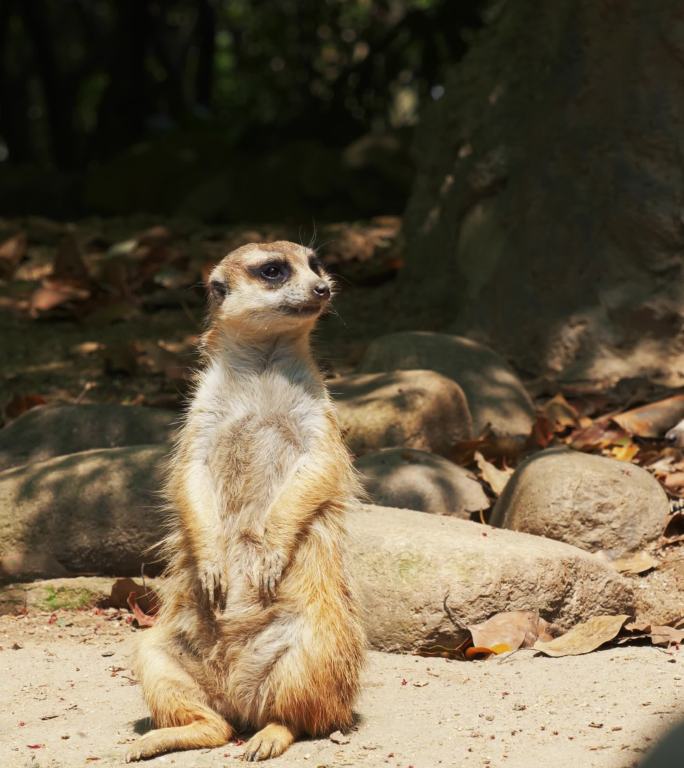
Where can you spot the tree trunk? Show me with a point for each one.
(547, 215)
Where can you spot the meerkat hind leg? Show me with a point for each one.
(272, 740)
(177, 704)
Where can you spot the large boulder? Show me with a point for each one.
(96, 511)
(414, 409)
(404, 477)
(590, 501)
(407, 565)
(49, 431)
(496, 397)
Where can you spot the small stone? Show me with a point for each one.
(337, 737)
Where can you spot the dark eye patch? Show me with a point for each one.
(218, 290)
(274, 272)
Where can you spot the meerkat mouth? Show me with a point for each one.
(301, 309)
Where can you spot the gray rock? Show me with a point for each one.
(95, 511)
(592, 502)
(404, 477)
(56, 430)
(406, 564)
(414, 409)
(495, 395)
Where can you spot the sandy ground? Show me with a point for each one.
(68, 698)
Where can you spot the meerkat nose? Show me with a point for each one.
(322, 290)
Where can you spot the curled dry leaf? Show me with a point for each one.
(57, 294)
(508, 631)
(143, 619)
(145, 597)
(584, 637)
(653, 419)
(495, 477)
(600, 434)
(639, 562)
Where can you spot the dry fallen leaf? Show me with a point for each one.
(664, 635)
(57, 294)
(640, 562)
(624, 450)
(600, 434)
(145, 597)
(653, 419)
(495, 477)
(584, 637)
(513, 629)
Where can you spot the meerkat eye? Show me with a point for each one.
(274, 271)
(218, 290)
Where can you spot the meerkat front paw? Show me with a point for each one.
(273, 562)
(213, 584)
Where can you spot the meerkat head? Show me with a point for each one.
(266, 288)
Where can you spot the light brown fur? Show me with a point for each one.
(258, 627)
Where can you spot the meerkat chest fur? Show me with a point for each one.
(250, 426)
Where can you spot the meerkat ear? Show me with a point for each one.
(218, 291)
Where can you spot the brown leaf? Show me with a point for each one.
(664, 635)
(640, 562)
(143, 619)
(654, 419)
(495, 477)
(57, 294)
(584, 637)
(145, 597)
(513, 629)
(21, 403)
(12, 251)
(600, 434)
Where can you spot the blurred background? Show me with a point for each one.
(227, 111)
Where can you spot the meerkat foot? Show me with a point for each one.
(270, 741)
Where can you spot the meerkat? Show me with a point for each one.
(258, 628)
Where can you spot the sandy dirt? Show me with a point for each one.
(68, 698)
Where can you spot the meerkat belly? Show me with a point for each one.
(249, 460)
